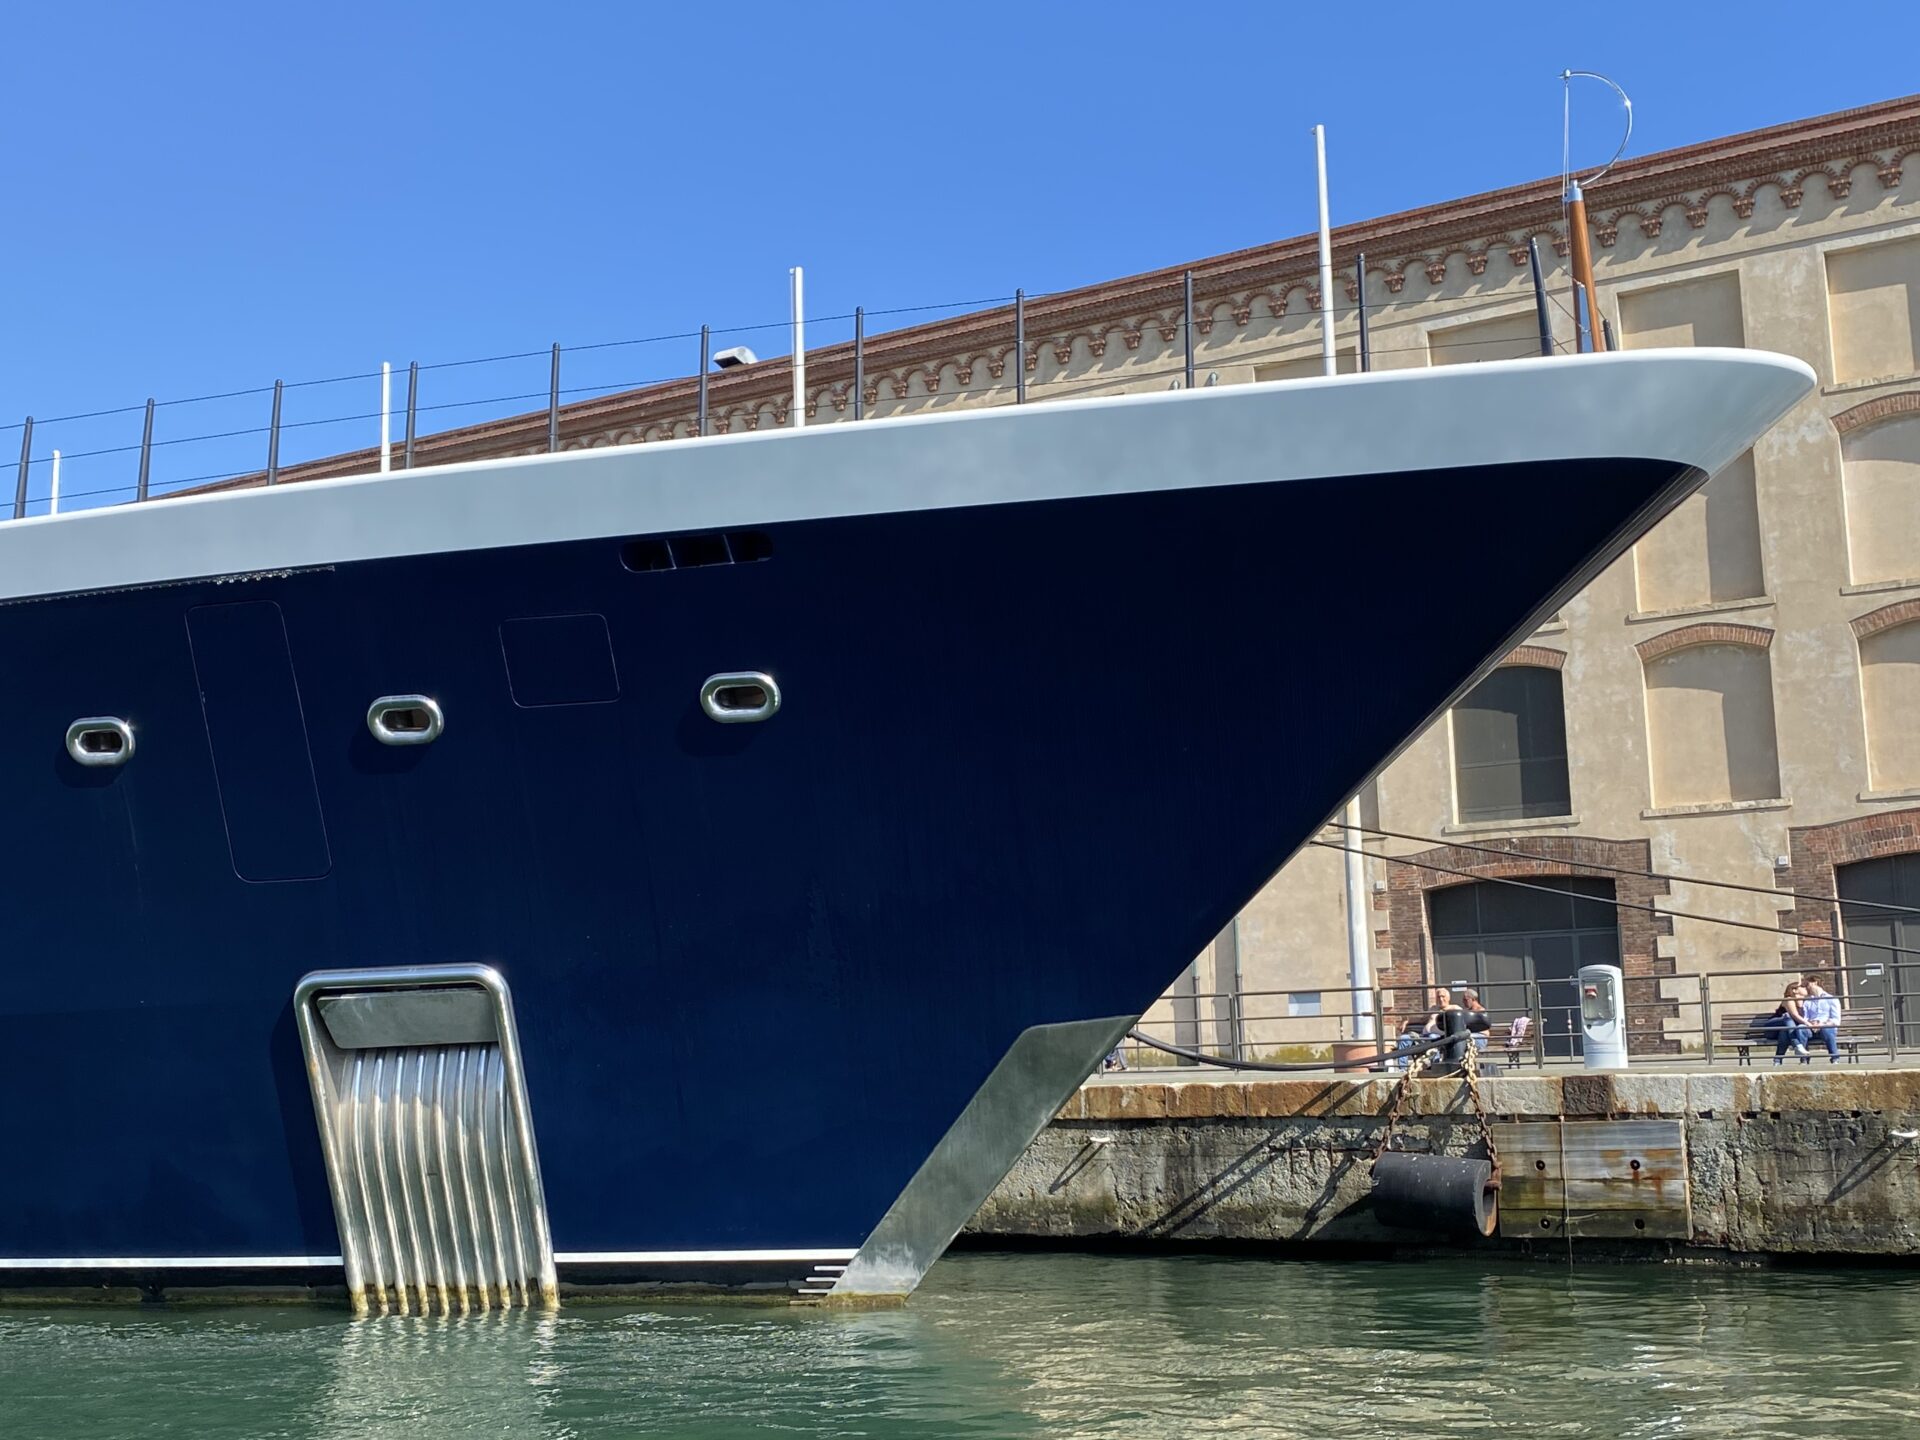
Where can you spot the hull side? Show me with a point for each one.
(1030, 759)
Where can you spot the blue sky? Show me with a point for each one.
(207, 196)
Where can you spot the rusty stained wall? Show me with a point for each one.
(1795, 1161)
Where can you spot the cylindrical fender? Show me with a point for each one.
(1440, 1194)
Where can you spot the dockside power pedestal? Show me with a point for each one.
(1603, 1017)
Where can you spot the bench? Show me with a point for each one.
(1857, 1028)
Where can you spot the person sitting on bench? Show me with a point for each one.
(1789, 1024)
(1822, 1010)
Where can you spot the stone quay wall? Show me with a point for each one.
(1797, 1160)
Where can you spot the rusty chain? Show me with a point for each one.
(1470, 1067)
(1403, 1088)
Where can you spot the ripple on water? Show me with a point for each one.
(1005, 1345)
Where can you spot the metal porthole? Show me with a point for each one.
(100, 740)
(740, 696)
(405, 720)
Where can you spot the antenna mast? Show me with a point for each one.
(1587, 316)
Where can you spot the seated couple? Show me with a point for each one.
(1805, 1010)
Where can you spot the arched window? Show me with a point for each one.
(1890, 695)
(1510, 747)
(1880, 478)
(1710, 715)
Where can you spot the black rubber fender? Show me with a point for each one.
(1439, 1194)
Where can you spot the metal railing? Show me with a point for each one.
(1703, 1017)
(244, 430)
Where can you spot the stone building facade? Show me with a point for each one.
(1738, 699)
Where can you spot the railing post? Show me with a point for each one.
(386, 416)
(1540, 296)
(1186, 311)
(553, 404)
(1360, 291)
(273, 436)
(146, 454)
(1539, 1026)
(1706, 1020)
(413, 408)
(26, 459)
(1379, 1019)
(1019, 347)
(706, 363)
(859, 362)
(1606, 333)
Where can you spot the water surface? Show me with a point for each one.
(1016, 1345)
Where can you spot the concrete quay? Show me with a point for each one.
(1806, 1161)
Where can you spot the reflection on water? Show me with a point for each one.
(1010, 1345)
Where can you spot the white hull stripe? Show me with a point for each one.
(296, 1262)
(1694, 407)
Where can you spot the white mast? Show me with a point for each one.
(798, 415)
(53, 498)
(386, 417)
(1328, 364)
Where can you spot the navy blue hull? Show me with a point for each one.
(1031, 759)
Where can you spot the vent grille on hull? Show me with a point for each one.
(429, 1146)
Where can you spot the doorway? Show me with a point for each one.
(1500, 939)
(1880, 921)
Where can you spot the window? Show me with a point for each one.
(1510, 747)
(1873, 306)
(1303, 1002)
(1890, 685)
(1710, 725)
(1880, 478)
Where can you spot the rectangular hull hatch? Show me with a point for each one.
(422, 1108)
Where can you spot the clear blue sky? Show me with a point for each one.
(203, 197)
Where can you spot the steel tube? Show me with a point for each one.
(26, 459)
(706, 364)
(1360, 299)
(1186, 311)
(553, 404)
(1019, 347)
(413, 407)
(273, 436)
(146, 454)
(1540, 314)
(859, 363)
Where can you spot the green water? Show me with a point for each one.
(1012, 1345)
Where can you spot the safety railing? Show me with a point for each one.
(1008, 349)
(1718, 1017)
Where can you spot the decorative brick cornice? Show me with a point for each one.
(1259, 284)
(1901, 612)
(1882, 407)
(1535, 655)
(1717, 632)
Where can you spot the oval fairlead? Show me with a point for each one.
(405, 720)
(100, 740)
(740, 696)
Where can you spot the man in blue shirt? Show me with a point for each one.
(1823, 1016)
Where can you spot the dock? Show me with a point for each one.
(1735, 1164)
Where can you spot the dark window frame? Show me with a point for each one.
(1536, 772)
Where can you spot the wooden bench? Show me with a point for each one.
(1857, 1027)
